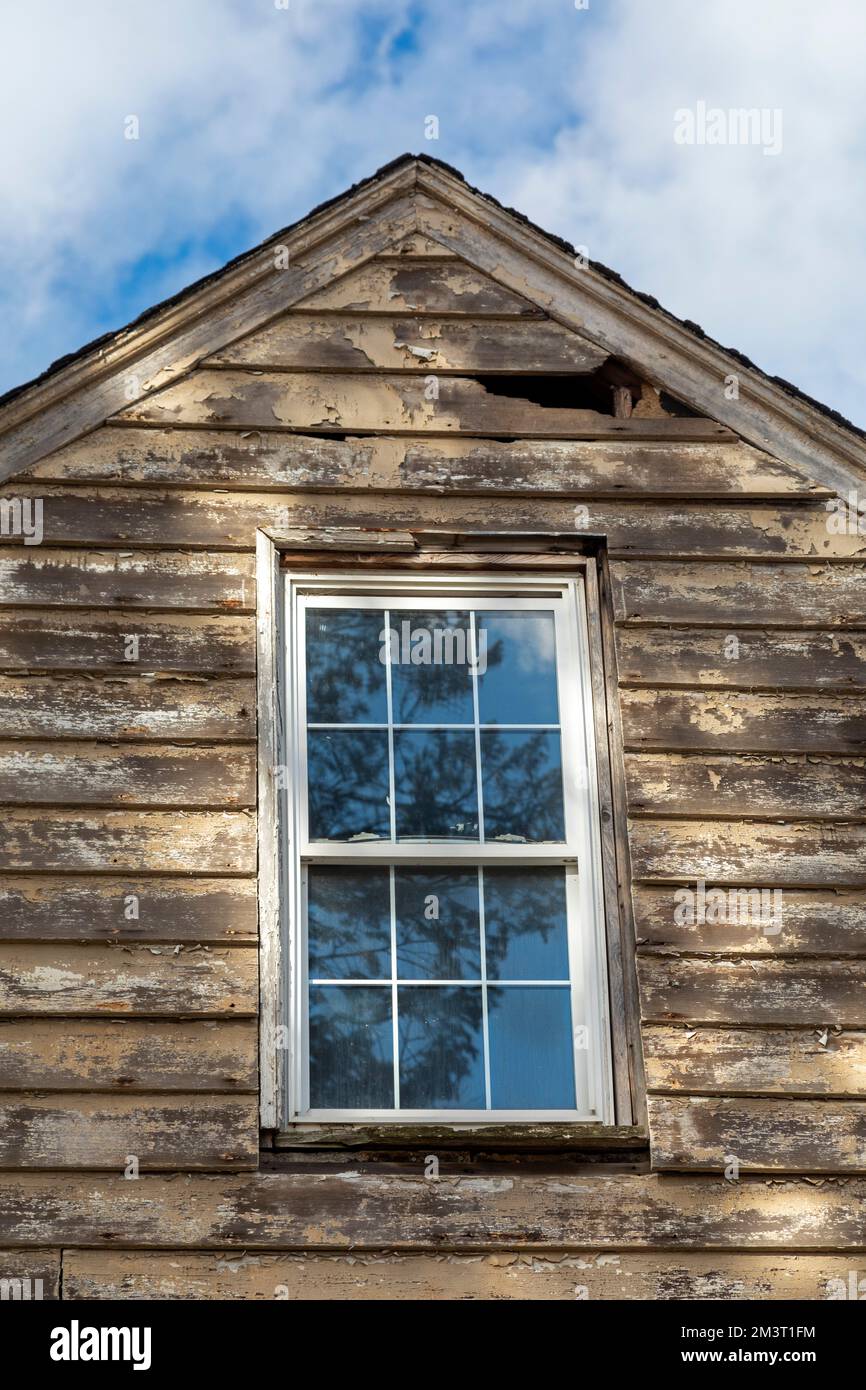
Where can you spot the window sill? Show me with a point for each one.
(511, 1137)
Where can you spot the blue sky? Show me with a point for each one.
(252, 111)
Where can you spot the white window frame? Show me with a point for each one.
(580, 853)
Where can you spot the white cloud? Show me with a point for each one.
(252, 113)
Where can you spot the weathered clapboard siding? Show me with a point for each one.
(745, 658)
(160, 1132)
(739, 722)
(761, 1135)
(195, 910)
(820, 921)
(311, 342)
(756, 1061)
(92, 640)
(362, 1210)
(96, 841)
(813, 854)
(127, 707)
(504, 1275)
(127, 1055)
(447, 288)
(708, 785)
(799, 993)
(77, 774)
(735, 596)
(85, 981)
(29, 1275)
(269, 459)
(37, 577)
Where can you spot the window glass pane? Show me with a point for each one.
(525, 925)
(435, 784)
(517, 668)
(441, 1048)
(347, 774)
(531, 1052)
(431, 672)
(346, 681)
(349, 924)
(438, 929)
(351, 1047)
(521, 777)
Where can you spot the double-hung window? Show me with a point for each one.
(446, 956)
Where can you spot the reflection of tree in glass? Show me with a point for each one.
(348, 783)
(525, 923)
(521, 779)
(435, 784)
(351, 1058)
(437, 692)
(438, 925)
(440, 1048)
(345, 678)
(349, 923)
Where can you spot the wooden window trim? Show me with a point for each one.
(349, 548)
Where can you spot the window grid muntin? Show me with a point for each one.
(587, 960)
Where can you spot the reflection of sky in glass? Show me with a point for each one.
(441, 1048)
(519, 685)
(525, 924)
(432, 692)
(438, 924)
(521, 777)
(531, 1050)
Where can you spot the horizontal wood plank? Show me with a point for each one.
(37, 908)
(30, 1275)
(64, 841)
(684, 720)
(38, 577)
(128, 1055)
(97, 981)
(127, 707)
(367, 1210)
(271, 460)
(700, 1133)
(710, 785)
(741, 658)
(742, 595)
(448, 287)
(755, 1061)
(390, 403)
(750, 852)
(819, 921)
(354, 343)
(92, 640)
(95, 774)
(492, 1277)
(158, 1132)
(791, 993)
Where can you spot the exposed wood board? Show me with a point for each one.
(311, 342)
(757, 659)
(414, 245)
(461, 1139)
(271, 459)
(693, 369)
(193, 842)
(132, 708)
(161, 1132)
(175, 518)
(812, 854)
(765, 1135)
(709, 785)
(169, 343)
(742, 595)
(755, 1061)
(97, 981)
(822, 921)
(781, 993)
(685, 720)
(129, 1055)
(93, 774)
(127, 909)
(272, 878)
(367, 1210)
(444, 287)
(492, 1277)
(38, 1271)
(33, 577)
(91, 640)
(385, 402)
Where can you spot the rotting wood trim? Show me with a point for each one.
(502, 1137)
